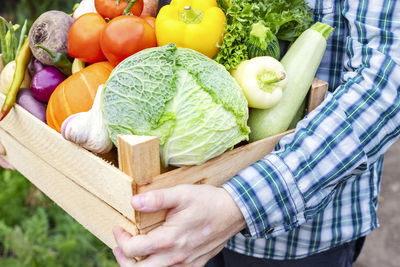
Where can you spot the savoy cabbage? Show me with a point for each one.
(189, 101)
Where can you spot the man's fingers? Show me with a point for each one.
(127, 243)
(157, 200)
(121, 259)
(143, 245)
(5, 165)
(163, 260)
(121, 236)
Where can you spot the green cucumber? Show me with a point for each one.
(301, 63)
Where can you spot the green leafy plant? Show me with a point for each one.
(36, 232)
(19, 10)
(287, 19)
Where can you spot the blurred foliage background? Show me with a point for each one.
(34, 231)
(19, 10)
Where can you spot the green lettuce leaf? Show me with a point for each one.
(286, 18)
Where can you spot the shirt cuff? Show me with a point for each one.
(268, 197)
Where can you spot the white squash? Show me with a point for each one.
(301, 62)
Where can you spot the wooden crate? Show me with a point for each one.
(94, 191)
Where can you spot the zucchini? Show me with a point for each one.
(301, 63)
(262, 42)
(224, 4)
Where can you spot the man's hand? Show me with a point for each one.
(3, 163)
(200, 220)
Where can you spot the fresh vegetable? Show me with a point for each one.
(262, 42)
(195, 24)
(76, 93)
(7, 75)
(45, 81)
(287, 19)
(149, 8)
(88, 129)
(22, 36)
(8, 40)
(59, 60)
(262, 80)
(301, 65)
(9, 44)
(33, 66)
(26, 100)
(124, 36)
(21, 63)
(151, 21)
(78, 65)
(224, 4)
(84, 7)
(189, 101)
(84, 38)
(51, 31)
(114, 8)
(299, 115)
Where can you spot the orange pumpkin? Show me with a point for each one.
(76, 93)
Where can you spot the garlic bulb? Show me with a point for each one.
(84, 7)
(87, 129)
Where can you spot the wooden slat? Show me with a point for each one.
(139, 157)
(93, 213)
(84, 168)
(214, 172)
(317, 93)
(218, 170)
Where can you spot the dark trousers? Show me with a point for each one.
(341, 256)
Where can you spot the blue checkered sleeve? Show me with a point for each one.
(343, 137)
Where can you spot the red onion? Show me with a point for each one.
(28, 102)
(45, 81)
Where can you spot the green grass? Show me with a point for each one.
(36, 232)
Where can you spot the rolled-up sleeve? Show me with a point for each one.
(349, 131)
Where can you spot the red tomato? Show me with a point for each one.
(124, 36)
(84, 38)
(151, 21)
(110, 9)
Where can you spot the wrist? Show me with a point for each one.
(234, 216)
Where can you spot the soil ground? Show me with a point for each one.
(382, 247)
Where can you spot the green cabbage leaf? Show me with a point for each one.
(189, 101)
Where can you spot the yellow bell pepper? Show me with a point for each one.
(195, 24)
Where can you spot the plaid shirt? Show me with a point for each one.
(320, 186)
